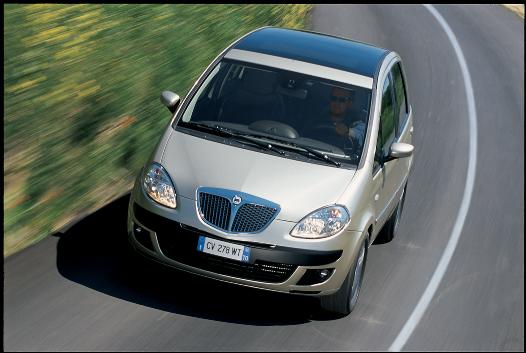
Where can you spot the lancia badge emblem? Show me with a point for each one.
(236, 200)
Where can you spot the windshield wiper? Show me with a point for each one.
(311, 151)
(234, 135)
(246, 137)
(319, 155)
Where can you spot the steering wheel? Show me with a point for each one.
(274, 128)
(327, 133)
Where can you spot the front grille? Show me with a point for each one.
(181, 246)
(215, 209)
(251, 218)
(248, 217)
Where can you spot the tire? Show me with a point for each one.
(345, 299)
(390, 228)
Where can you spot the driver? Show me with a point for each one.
(345, 125)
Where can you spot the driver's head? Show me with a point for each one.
(341, 101)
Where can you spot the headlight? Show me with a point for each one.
(157, 184)
(322, 223)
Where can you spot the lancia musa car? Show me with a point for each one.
(287, 159)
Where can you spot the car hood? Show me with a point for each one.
(298, 187)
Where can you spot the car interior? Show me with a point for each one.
(281, 103)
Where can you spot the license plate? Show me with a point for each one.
(223, 249)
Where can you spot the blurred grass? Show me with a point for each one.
(81, 97)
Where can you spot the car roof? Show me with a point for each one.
(316, 48)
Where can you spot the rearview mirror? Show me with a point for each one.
(400, 150)
(170, 100)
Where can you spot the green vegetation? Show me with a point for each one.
(81, 97)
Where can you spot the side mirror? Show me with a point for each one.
(170, 100)
(400, 150)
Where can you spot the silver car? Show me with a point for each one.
(287, 159)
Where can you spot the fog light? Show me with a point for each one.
(315, 276)
(142, 236)
(323, 274)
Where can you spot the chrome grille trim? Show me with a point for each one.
(251, 215)
(215, 209)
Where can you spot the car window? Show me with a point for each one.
(325, 115)
(387, 117)
(202, 101)
(401, 98)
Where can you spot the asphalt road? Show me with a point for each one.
(76, 291)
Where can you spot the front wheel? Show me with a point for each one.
(344, 300)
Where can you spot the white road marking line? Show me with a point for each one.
(432, 286)
(162, 316)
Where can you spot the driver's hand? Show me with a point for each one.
(341, 129)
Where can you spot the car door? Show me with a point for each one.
(384, 173)
(395, 126)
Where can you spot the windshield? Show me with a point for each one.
(326, 116)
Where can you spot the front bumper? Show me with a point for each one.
(276, 267)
